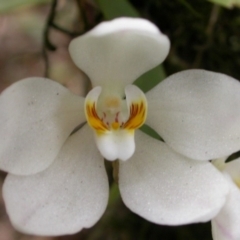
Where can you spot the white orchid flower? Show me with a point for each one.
(57, 183)
(225, 226)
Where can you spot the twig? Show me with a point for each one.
(209, 32)
(46, 43)
(63, 30)
(49, 22)
(83, 15)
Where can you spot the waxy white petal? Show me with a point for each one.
(114, 145)
(165, 187)
(117, 52)
(37, 115)
(70, 195)
(225, 226)
(197, 113)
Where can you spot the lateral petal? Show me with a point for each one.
(165, 187)
(70, 195)
(197, 113)
(37, 115)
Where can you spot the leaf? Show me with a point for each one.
(227, 3)
(150, 79)
(150, 132)
(117, 8)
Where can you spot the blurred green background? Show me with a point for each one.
(34, 36)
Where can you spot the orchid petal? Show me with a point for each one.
(225, 226)
(117, 52)
(70, 195)
(37, 115)
(197, 113)
(165, 187)
(116, 144)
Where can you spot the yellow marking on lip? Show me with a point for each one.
(137, 117)
(115, 125)
(93, 119)
(138, 114)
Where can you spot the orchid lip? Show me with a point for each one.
(114, 120)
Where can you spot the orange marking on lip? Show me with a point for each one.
(137, 116)
(93, 119)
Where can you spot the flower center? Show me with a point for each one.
(112, 113)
